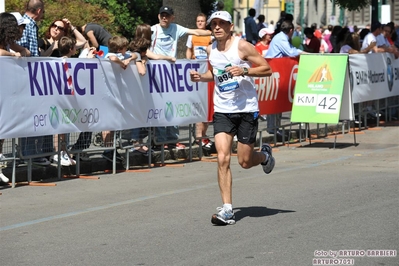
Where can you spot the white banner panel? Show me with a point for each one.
(373, 76)
(35, 98)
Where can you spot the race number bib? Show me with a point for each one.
(225, 80)
(200, 52)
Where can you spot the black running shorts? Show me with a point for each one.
(244, 125)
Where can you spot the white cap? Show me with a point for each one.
(220, 14)
(265, 31)
(20, 19)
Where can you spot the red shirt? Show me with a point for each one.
(261, 48)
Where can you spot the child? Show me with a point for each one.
(139, 47)
(117, 52)
(67, 48)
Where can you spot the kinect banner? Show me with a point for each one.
(45, 96)
(373, 76)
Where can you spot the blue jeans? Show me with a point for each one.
(164, 134)
(31, 145)
(139, 133)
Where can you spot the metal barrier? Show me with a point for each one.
(12, 148)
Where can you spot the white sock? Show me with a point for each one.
(228, 206)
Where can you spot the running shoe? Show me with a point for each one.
(66, 160)
(3, 178)
(269, 165)
(223, 217)
(3, 163)
(207, 144)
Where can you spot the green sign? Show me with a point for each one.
(319, 88)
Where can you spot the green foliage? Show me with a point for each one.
(352, 5)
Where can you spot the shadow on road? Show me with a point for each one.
(256, 211)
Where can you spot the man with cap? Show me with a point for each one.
(164, 38)
(235, 104)
(265, 36)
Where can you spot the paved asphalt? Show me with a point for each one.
(316, 200)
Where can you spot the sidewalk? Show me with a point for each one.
(137, 161)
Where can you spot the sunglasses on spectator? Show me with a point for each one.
(58, 27)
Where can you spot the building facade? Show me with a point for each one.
(321, 12)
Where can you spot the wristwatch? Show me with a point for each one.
(245, 71)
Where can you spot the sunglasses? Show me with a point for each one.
(58, 27)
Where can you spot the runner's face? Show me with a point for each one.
(201, 22)
(221, 28)
(165, 19)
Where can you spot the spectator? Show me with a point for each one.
(391, 36)
(283, 17)
(3, 163)
(34, 12)
(372, 37)
(396, 38)
(261, 22)
(196, 49)
(316, 31)
(340, 39)
(280, 46)
(271, 25)
(265, 36)
(117, 53)
(333, 38)
(139, 47)
(297, 32)
(9, 33)
(144, 31)
(251, 30)
(236, 106)
(164, 42)
(326, 37)
(48, 45)
(312, 44)
(96, 34)
(84, 139)
(22, 22)
(363, 34)
(351, 45)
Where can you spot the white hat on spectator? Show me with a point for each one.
(21, 20)
(265, 31)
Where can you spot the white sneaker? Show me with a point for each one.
(3, 163)
(3, 178)
(66, 160)
(223, 217)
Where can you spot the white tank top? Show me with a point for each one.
(232, 94)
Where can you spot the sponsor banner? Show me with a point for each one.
(275, 93)
(44, 96)
(373, 76)
(319, 89)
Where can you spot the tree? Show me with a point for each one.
(352, 5)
